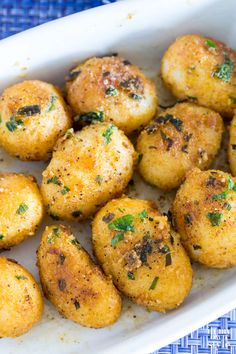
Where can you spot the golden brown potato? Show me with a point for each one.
(201, 69)
(232, 146)
(21, 302)
(21, 208)
(111, 89)
(179, 139)
(33, 116)
(73, 282)
(205, 216)
(135, 245)
(88, 168)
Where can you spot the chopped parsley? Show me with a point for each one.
(13, 124)
(176, 122)
(91, 117)
(108, 133)
(52, 104)
(55, 233)
(168, 260)
(1, 237)
(111, 91)
(210, 43)
(29, 110)
(54, 180)
(215, 218)
(143, 214)
(154, 283)
(98, 179)
(65, 190)
(117, 238)
(130, 275)
(20, 277)
(22, 209)
(225, 70)
(224, 195)
(124, 223)
(75, 242)
(227, 206)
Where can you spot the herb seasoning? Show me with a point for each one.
(154, 283)
(108, 133)
(215, 218)
(124, 223)
(22, 209)
(91, 117)
(29, 110)
(117, 238)
(225, 70)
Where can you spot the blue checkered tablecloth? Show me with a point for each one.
(219, 336)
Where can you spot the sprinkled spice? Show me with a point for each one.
(211, 181)
(22, 209)
(150, 129)
(188, 136)
(108, 217)
(124, 223)
(165, 138)
(55, 233)
(61, 284)
(54, 180)
(90, 117)
(143, 215)
(215, 218)
(77, 304)
(98, 179)
(52, 104)
(188, 219)
(111, 91)
(176, 122)
(13, 124)
(65, 190)
(29, 110)
(168, 260)
(134, 96)
(225, 70)
(117, 238)
(1, 237)
(197, 247)
(184, 149)
(227, 206)
(130, 275)
(154, 283)
(61, 258)
(75, 242)
(210, 43)
(20, 277)
(108, 133)
(76, 214)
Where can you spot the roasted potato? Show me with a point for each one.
(179, 139)
(205, 216)
(21, 302)
(21, 208)
(135, 245)
(203, 70)
(88, 168)
(232, 146)
(33, 116)
(111, 89)
(73, 282)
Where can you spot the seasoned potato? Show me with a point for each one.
(232, 146)
(33, 116)
(201, 69)
(88, 168)
(21, 208)
(21, 302)
(111, 89)
(73, 282)
(205, 216)
(177, 140)
(135, 245)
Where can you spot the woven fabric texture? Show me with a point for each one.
(218, 337)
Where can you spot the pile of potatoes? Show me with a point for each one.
(141, 253)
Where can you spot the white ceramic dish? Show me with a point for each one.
(140, 31)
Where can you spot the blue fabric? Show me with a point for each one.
(218, 337)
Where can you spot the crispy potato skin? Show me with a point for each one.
(193, 143)
(188, 68)
(130, 106)
(232, 146)
(21, 302)
(93, 169)
(139, 253)
(73, 282)
(35, 137)
(214, 246)
(16, 224)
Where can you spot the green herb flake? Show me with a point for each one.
(220, 195)
(130, 275)
(29, 110)
(117, 238)
(55, 233)
(52, 104)
(75, 242)
(13, 124)
(143, 215)
(154, 283)
(231, 184)
(0, 119)
(65, 190)
(225, 70)
(124, 223)
(54, 180)
(111, 91)
(215, 218)
(227, 206)
(77, 304)
(20, 277)
(168, 260)
(22, 209)
(1, 236)
(210, 43)
(98, 179)
(108, 133)
(91, 117)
